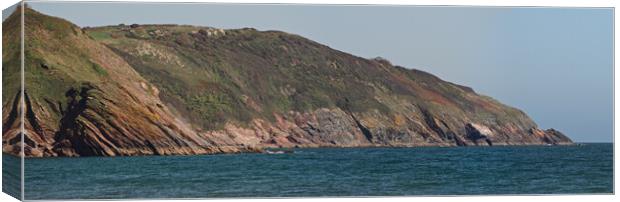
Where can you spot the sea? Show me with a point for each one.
(322, 172)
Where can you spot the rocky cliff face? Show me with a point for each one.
(167, 89)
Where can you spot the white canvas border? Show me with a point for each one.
(544, 3)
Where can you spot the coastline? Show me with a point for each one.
(263, 150)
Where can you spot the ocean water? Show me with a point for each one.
(329, 172)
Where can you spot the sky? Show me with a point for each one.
(556, 64)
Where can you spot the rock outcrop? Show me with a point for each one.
(184, 90)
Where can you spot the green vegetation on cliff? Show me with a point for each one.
(177, 89)
(217, 75)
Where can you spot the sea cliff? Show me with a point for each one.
(183, 90)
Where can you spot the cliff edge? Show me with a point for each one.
(172, 89)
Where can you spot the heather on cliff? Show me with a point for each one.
(176, 89)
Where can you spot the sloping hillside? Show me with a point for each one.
(169, 89)
(82, 99)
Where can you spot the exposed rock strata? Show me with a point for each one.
(182, 90)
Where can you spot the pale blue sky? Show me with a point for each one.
(556, 64)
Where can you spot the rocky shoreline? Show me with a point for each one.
(290, 150)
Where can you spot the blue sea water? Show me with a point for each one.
(329, 172)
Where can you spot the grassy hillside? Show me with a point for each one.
(215, 75)
(172, 89)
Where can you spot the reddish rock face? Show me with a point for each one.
(182, 90)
